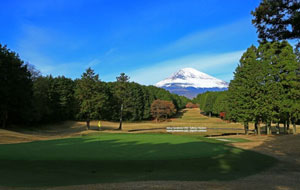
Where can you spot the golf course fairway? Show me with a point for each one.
(105, 158)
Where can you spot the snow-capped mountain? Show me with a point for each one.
(189, 82)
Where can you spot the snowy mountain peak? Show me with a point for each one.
(189, 77)
(187, 73)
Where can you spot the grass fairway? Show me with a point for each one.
(125, 157)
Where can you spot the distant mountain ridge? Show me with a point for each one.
(190, 82)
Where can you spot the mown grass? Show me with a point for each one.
(106, 158)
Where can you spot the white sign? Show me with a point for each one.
(186, 129)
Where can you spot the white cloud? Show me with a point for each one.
(212, 35)
(34, 41)
(220, 65)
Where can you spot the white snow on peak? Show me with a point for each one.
(189, 77)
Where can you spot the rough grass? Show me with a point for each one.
(186, 118)
(125, 157)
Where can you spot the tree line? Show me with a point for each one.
(266, 84)
(27, 97)
(212, 103)
(265, 89)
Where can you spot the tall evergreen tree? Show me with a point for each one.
(265, 87)
(288, 79)
(15, 89)
(122, 93)
(42, 108)
(243, 89)
(90, 96)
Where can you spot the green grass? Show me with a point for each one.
(125, 157)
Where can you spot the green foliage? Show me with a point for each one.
(277, 20)
(221, 103)
(242, 92)
(265, 88)
(53, 99)
(91, 96)
(266, 85)
(212, 103)
(123, 78)
(137, 100)
(209, 103)
(162, 94)
(29, 98)
(15, 89)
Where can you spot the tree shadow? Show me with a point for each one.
(285, 148)
(180, 114)
(53, 129)
(102, 128)
(113, 158)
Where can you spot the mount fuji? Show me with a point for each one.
(190, 82)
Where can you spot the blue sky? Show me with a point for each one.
(146, 39)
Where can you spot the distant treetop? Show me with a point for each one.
(123, 78)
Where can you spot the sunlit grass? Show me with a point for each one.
(125, 157)
(188, 118)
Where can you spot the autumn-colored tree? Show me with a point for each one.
(162, 109)
(191, 105)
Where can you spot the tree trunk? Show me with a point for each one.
(255, 128)
(258, 129)
(277, 128)
(209, 114)
(284, 128)
(268, 127)
(88, 124)
(246, 128)
(121, 117)
(294, 128)
(4, 119)
(288, 126)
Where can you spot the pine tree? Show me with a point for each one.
(91, 97)
(288, 77)
(243, 90)
(122, 93)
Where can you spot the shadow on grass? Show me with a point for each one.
(115, 158)
(180, 114)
